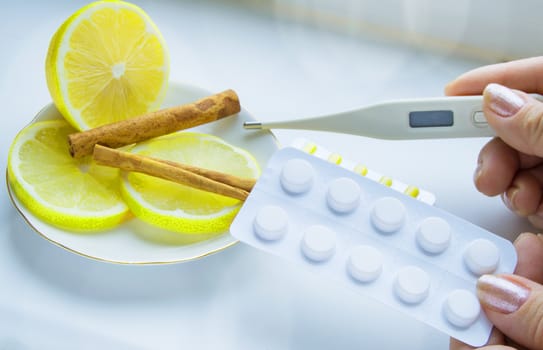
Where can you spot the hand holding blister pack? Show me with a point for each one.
(383, 244)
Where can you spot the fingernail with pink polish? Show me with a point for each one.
(501, 294)
(503, 101)
(478, 170)
(477, 174)
(506, 201)
(509, 198)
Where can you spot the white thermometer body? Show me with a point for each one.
(447, 117)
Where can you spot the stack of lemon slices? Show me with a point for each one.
(106, 63)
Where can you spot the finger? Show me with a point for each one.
(521, 75)
(530, 162)
(537, 219)
(514, 304)
(517, 118)
(524, 194)
(496, 167)
(458, 345)
(530, 256)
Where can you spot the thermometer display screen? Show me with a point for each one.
(429, 119)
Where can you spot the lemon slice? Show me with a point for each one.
(181, 208)
(106, 63)
(76, 195)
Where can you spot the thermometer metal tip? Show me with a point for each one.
(252, 125)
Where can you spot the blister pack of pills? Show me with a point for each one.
(400, 251)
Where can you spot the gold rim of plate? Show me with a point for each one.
(203, 254)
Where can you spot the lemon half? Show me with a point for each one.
(106, 63)
(73, 194)
(181, 208)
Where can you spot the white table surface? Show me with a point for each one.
(239, 298)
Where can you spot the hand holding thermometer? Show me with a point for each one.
(444, 117)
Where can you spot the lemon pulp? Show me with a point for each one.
(182, 208)
(76, 195)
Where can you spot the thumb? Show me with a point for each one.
(514, 304)
(516, 117)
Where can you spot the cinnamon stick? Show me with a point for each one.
(243, 183)
(155, 124)
(165, 170)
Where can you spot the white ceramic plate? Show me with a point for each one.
(136, 242)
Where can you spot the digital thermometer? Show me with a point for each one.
(444, 117)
